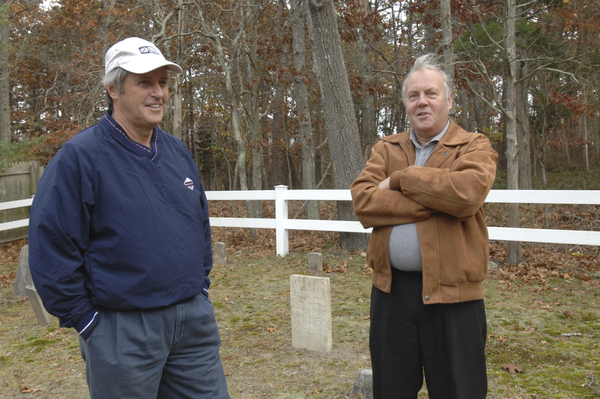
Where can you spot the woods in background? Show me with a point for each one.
(252, 104)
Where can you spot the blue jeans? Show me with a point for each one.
(171, 352)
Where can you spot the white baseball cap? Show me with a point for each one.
(137, 55)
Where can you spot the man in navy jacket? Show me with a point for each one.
(119, 242)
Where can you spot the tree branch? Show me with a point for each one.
(323, 144)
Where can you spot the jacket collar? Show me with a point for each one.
(455, 136)
(119, 134)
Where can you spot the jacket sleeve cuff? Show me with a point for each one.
(205, 292)
(395, 180)
(87, 323)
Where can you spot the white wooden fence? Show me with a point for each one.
(282, 224)
(14, 205)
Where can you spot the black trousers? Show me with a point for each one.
(407, 338)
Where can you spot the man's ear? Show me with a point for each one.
(112, 91)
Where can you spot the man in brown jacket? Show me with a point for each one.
(423, 191)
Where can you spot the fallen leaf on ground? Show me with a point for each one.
(512, 368)
(24, 389)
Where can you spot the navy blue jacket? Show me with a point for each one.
(115, 224)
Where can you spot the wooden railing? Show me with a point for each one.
(282, 224)
(15, 224)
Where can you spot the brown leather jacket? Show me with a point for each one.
(444, 198)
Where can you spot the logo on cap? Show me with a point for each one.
(148, 50)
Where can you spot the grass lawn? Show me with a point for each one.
(545, 319)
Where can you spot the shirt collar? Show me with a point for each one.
(413, 137)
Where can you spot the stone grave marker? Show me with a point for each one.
(315, 262)
(23, 278)
(311, 313)
(43, 317)
(219, 253)
(363, 386)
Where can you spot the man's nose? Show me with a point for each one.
(156, 90)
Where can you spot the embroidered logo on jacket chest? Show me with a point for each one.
(189, 183)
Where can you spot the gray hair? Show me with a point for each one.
(428, 62)
(115, 77)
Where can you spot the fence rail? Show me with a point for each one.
(282, 224)
(15, 224)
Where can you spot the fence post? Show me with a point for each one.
(281, 215)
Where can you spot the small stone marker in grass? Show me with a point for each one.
(23, 278)
(315, 262)
(363, 386)
(219, 253)
(43, 317)
(311, 313)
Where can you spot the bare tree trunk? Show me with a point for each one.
(368, 125)
(178, 86)
(177, 106)
(584, 133)
(340, 120)
(5, 132)
(478, 111)
(278, 101)
(448, 49)
(190, 130)
(522, 115)
(514, 248)
(254, 114)
(257, 163)
(226, 62)
(540, 156)
(301, 97)
(523, 132)
(276, 155)
(429, 29)
(568, 154)
(464, 105)
(400, 101)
